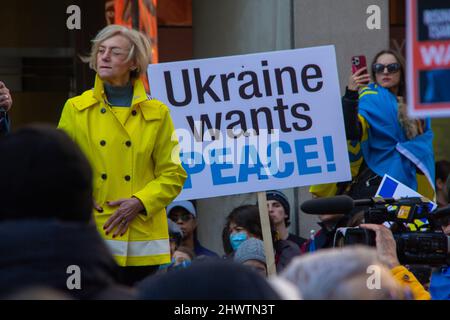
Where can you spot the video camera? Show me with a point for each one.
(426, 244)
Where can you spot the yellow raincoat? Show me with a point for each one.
(130, 156)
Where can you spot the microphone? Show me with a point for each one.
(371, 201)
(340, 204)
(331, 205)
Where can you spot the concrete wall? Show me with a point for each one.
(230, 27)
(342, 23)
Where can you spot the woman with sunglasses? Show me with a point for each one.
(391, 143)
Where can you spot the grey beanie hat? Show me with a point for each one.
(250, 249)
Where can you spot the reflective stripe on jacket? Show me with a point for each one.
(130, 159)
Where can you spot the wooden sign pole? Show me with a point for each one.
(267, 235)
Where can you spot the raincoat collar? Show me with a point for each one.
(139, 94)
(140, 98)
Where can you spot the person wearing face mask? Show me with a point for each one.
(244, 223)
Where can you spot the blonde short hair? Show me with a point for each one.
(140, 50)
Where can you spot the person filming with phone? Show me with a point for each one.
(390, 142)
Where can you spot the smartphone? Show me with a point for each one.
(359, 62)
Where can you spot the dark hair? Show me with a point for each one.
(227, 248)
(281, 198)
(44, 174)
(401, 61)
(247, 217)
(442, 170)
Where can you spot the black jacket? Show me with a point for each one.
(37, 253)
(350, 109)
(4, 122)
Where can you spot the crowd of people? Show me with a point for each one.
(108, 179)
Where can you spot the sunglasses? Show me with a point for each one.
(183, 217)
(391, 68)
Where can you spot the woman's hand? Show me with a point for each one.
(358, 80)
(127, 211)
(97, 206)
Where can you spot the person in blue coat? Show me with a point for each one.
(390, 142)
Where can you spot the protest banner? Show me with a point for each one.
(428, 58)
(255, 122)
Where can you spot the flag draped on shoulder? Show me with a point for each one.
(387, 149)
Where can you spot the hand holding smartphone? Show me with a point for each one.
(359, 62)
(359, 77)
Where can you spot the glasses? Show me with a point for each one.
(183, 217)
(115, 52)
(391, 68)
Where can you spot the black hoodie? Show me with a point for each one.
(38, 253)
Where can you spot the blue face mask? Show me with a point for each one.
(184, 264)
(236, 239)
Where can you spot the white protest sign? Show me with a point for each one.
(391, 188)
(255, 122)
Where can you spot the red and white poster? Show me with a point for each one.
(428, 58)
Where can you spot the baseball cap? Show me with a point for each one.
(183, 204)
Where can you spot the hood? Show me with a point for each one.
(41, 253)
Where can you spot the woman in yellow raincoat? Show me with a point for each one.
(129, 140)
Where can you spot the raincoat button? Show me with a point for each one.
(103, 110)
(127, 178)
(103, 143)
(104, 176)
(134, 112)
(128, 143)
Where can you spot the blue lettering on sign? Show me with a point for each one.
(217, 167)
(329, 153)
(194, 163)
(198, 166)
(245, 169)
(274, 166)
(303, 156)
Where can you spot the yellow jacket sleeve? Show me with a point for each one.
(169, 173)
(66, 122)
(406, 278)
